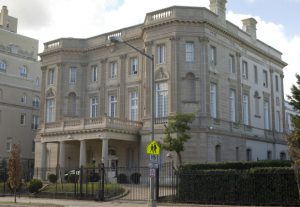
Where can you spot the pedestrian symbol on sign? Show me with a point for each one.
(153, 148)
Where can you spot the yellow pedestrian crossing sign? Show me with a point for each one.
(153, 148)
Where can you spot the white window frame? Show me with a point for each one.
(265, 77)
(161, 99)
(50, 110)
(134, 66)
(112, 106)
(232, 105)
(213, 55)
(51, 76)
(255, 74)
(213, 100)
(72, 75)
(23, 119)
(161, 54)
(93, 107)
(189, 52)
(266, 115)
(278, 121)
(231, 64)
(23, 71)
(24, 98)
(35, 122)
(94, 73)
(113, 70)
(245, 109)
(245, 70)
(276, 83)
(8, 145)
(2, 66)
(133, 106)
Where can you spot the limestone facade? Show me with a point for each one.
(20, 83)
(96, 94)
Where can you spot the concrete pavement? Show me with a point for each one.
(25, 201)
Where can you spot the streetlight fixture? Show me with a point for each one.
(116, 39)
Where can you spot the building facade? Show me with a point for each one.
(20, 80)
(289, 113)
(96, 100)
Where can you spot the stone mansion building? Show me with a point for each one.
(95, 100)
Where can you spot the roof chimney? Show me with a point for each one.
(249, 26)
(218, 7)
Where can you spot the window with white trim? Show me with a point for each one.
(94, 73)
(213, 100)
(72, 75)
(113, 70)
(265, 77)
(133, 106)
(245, 109)
(133, 66)
(161, 54)
(2, 66)
(245, 70)
(112, 106)
(50, 110)
(213, 55)
(35, 122)
(276, 83)
(23, 71)
(93, 107)
(255, 74)
(161, 99)
(189, 52)
(277, 121)
(51, 76)
(36, 102)
(232, 105)
(8, 145)
(24, 98)
(231, 64)
(23, 119)
(266, 115)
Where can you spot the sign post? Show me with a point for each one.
(153, 149)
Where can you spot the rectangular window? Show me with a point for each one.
(213, 100)
(269, 155)
(93, 107)
(35, 122)
(213, 55)
(255, 74)
(113, 103)
(94, 73)
(2, 66)
(278, 121)
(24, 98)
(8, 145)
(266, 115)
(161, 99)
(245, 109)
(50, 76)
(245, 70)
(161, 54)
(113, 70)
(36, 102)
(23, 119)
(248, 154)
(72, 75)
(133, 66)
(133, 106)
(50, 110)
(237, 154)
(189, 52)
(231, 64)
(265, 77)
(232, 107)
(23, 71)
(276, 83)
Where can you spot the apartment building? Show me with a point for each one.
(96, 94)
(20, 83)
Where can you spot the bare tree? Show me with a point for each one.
(14, 170)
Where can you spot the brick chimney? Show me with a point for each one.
(218, 7)
(249, 26)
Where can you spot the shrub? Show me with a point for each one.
(122, 178)
(35, 185)
(52, 178)
(135, 177)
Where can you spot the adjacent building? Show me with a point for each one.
(289, 113)
(19, 90)
(95, 100)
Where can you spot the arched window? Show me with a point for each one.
(218, 153)
(189, 87)
(72, 104)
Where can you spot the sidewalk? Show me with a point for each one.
(24, 201)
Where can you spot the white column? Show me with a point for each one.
(61, 161)
(43, 161)
(82, 158)
(105, 151)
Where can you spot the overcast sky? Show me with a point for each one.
(45, 20)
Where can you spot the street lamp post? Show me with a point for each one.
(115, 39)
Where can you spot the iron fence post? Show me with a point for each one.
(81, 177)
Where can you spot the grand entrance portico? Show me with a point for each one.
(111, 142)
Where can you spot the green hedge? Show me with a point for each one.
(237, 165)
(257, 186)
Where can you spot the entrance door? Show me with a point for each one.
(112, 171)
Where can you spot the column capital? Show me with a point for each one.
(123, 56)
(238, 54)
(103, 61)
(103, 137)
